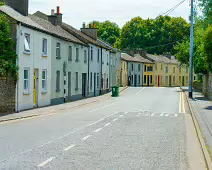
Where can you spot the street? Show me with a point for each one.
(144, 128)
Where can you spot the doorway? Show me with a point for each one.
(83, 84)
(69, 86)
(158, 81)
(148, 80)
(35, 88)
(135, 79)
(183, 81)
(170, 81)
(94, 90)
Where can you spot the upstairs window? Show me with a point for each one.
(58, 50)
(27, 42)
(91, 53)
(167, 70)
(85, 56)
(70, 53)
(44, 48)
(139, 67)
(132, 67)
(44, 80)
(77, 54)
(98, 55)
(174, 70)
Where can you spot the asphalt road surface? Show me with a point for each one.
(144, 128)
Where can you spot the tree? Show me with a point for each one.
(206, 6)
(7, 50)
(108, 31)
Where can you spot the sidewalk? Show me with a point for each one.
(202, 109)
(55, 108)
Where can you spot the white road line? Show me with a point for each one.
(107, 124)
(68, 148)
(166, 114)
(103, 107)
(86, 137)
(140, 91)
(162, 114)
(153, 114)
(115, 119)
(121, 116)
(125, 113)
(45, 162)
(183, 103)
(97, 130)
(176, 115)
(180, 109)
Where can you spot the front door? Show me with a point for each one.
(148, 80)
(69, 86)
(170, 81)
(83, 84)
(35, 88)
(158, 81)
(183, 81)
(94, 90)
(135, 83)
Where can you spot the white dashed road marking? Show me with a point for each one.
(121, 116)
(176, 115)
(125, 113)
(166, 114)
(97, 130)
(162, 114)
(46, 161)
(107, 124)
(68, 148)
(153, 114)
(115, 119)
(86, 137)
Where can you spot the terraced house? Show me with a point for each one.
(57, 63)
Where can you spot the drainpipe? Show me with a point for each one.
(88, 87)
(101, 75)
(19, 33)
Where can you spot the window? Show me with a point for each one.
(180, 79)
(26, 80)
(97, 80)
(167, 70)
(132, 67)
(139, 79)
(44, 49)
(166, 79)
(102, 60)
(150, 69)
(194, 77)
(155, 66)
(186, 79)
(156, 79)
(145, 68)
(186, 69)
(77, 54)
(85, 56)
(174, 70)
(161, 67)
(58, 50)
(27, 42)
(98, 55)
(107, 60)
(91, 53)
(145, 79)
(151, 79)
(139, 67)
(44, 80)
(70, 53)
(76, 81)
(91, 80)
(58, 81)
(132, 79)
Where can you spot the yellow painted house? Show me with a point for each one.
(124, 73)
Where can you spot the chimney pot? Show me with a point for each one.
(58, 10)
(83, 25)
(52, 12)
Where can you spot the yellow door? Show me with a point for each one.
(35, 87)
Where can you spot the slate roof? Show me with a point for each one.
(161, 59)
(108, 46)
(142, 59)
(39, 24)
(127, 57)
(83, 37)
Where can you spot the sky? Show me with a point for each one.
(75, 12)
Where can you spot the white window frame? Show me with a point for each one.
(26, 90)
(44, 89)
(44, 47)
(27, 42)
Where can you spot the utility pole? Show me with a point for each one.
(191, 48)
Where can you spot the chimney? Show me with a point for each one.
(59, 16)
(141, 52)
(91, 31)
(20, 6)
(83, 25)
(52, 12)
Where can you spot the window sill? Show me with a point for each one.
(27, 52)
(26, 93)
(58, 58)
(44, 55)
(57, 90)
(43, 92)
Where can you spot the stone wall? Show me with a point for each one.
(7, 95)
(207, 86)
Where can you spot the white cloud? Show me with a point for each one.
(75, 12)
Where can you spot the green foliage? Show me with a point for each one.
(2, 3)
(207, 47)
(183, 51)
(206, 6)
(155, 36)
(7, 50)
(108, 31)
